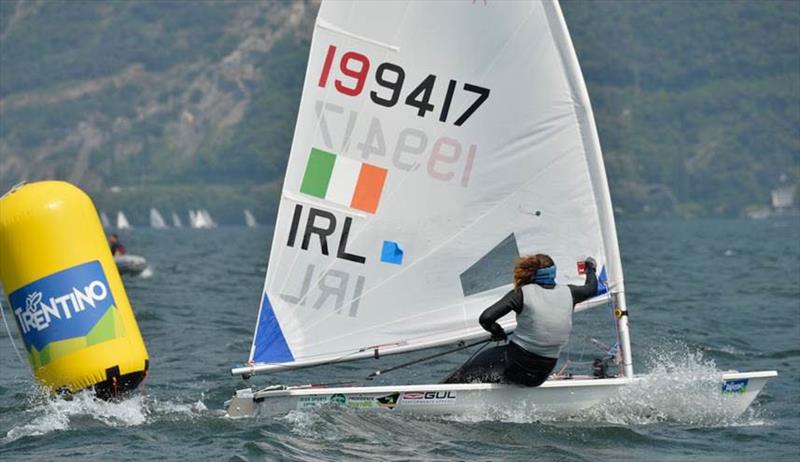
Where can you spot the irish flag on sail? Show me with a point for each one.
(343, 181)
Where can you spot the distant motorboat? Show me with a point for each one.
(122, 221)
(176, 221)
(249, 219)
(130, 264)
(156, 220)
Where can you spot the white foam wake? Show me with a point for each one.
(682, 387)
(47, 413)
(147, 273)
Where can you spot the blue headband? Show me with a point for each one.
(546, 276)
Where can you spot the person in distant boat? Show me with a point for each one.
(116, 247)
(544, 322)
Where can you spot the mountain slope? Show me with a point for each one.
(192, 104)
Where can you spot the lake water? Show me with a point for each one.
(704, 296)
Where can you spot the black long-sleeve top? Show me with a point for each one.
(512, 301)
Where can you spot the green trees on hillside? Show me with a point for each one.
(65, 42)
(700, 97)
(697, 103)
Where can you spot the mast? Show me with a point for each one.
(533, 144)
(597, 172)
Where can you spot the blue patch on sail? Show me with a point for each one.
(270, 344)
(602, 282)
(392, 253)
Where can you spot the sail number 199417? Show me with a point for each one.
(391, 78)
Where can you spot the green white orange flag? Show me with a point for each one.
(343, 181)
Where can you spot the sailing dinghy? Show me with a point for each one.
(435, 143)
(122, 221)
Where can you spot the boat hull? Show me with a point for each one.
(130, 264)
(553, 399)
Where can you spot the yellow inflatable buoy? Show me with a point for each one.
(65, 291)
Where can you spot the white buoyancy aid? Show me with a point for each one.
(544, 325)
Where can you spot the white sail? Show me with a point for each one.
(197, 219)
(249, 219)
(176, 221)
(122, 221)
(104, 220)
(435, 142)
(207, 221)
(156, 220)
(201, 219)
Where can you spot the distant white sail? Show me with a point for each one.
(122, 221)
(104, 220)
(207, 220)
(249, 219)
(156, 220)
(201, 219)
(176, 220)
(435, 142)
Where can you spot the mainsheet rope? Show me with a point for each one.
(461, 346)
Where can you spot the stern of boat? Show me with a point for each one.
(242, 404)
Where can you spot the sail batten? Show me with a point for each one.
(322, 24)
(435, 143)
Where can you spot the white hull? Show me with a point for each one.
(553, 399)
(130, 264)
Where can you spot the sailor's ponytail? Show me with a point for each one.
(525, 268)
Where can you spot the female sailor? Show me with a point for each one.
(544, 322)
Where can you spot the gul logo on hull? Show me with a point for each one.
(62, 305)
(429, 397)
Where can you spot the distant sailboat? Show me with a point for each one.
(201, 219)
(176, 220)
(249, 219)
(156, 220)
(207, 220)
(104, 220)
(122, 221)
